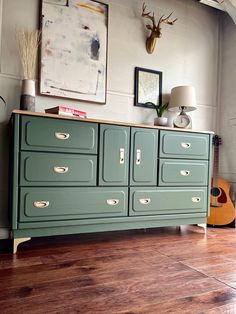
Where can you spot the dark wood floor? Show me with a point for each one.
(162, 270)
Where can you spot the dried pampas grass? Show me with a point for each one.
(28, 43)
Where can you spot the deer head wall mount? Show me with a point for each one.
(155, 28)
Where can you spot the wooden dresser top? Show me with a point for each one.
(56, 116)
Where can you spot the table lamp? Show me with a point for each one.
(183, 99)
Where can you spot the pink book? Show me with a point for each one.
(62, 110)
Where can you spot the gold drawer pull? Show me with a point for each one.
(138, 156)
(113, 202)
(62, 136)
(61, 169)
(186, 145)
(185, 173)
(144, 201)
(122, 156)
(41, 204)
(196, 199)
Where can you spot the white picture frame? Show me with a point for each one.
(73, 61)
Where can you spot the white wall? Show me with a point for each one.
(227, 114)
(186, 54)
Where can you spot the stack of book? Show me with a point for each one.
(66, 111)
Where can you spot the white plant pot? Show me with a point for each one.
(161, 121)
(27, 101)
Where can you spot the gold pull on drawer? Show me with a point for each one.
(41, 204)
(60, 169)
(113, 202)
(185, 173)
(196, 199)
(186, 145)
(122, 156)
(138, 156)
(62, 136)
(144, 201)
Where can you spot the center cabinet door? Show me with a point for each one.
(143, 166)
(114, 155)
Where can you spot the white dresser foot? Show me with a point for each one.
(18, 241)
(204, 226)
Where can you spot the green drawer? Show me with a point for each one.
(45, 169)
(184, 173)
(157, 201)
(184, 145)
(45, 204)
(60, 135)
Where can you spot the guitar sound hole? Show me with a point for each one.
(215, 192)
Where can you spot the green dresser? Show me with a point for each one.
(73, 175)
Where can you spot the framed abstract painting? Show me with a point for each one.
(73, 61)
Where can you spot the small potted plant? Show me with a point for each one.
(160, 109)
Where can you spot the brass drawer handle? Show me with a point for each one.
(61, 169)
(113, 202)
(186, 145)
(122, 156)
(138, 156)
(144, 201)
(41, 204)
(62, 136)
(196, 199)
(185, 173)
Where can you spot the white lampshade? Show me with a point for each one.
(182, 96)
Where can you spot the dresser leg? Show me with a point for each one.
(204, 226)
(18, 241)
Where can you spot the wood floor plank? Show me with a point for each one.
(125, 277)
(114, 298)
(202, 303)
(225, 309)
(61, 271)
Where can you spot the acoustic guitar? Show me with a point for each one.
(222, 208)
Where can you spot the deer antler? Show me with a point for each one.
(154, 28)
(148, 16)
(166, 20)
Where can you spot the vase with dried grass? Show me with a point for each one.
(28, 43)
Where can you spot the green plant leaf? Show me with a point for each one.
(3, 99)
(160, 109)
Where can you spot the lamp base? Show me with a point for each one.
(183, 121)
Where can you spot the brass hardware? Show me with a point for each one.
(185, 173)
(113, 202)
(186, 145)
(61, 169)
(196, 199)
(138, 156)
(41, 204)
(62, 136)
(155, 28)
(144, 201)
(122, 156)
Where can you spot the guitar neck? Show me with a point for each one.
(215, 166)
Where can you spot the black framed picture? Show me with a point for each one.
(148, 87)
